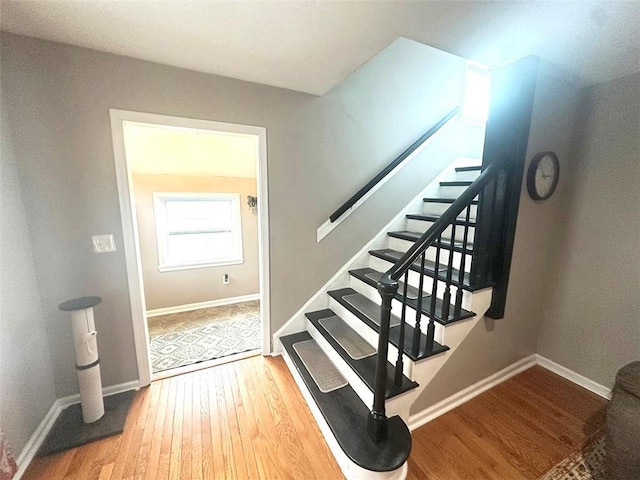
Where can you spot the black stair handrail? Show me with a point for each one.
(492, 180)
(389, 168)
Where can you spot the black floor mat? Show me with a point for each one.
(70, 431)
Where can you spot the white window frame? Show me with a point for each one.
(465, 115)
(159, 199)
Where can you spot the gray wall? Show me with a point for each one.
(319, 151)
(26, 377)
(495, 344)
(194, 285)
(590, 320)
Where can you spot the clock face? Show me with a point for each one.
(545, 175)
(542, 177)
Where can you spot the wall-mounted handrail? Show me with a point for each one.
(389, 168)
(492, 179)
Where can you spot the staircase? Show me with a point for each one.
(433, 309)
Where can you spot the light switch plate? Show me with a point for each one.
(103, 243)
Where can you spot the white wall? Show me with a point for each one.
(320, 151)
(590, 320)
(26, 377)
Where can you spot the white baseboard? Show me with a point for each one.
(64, 402)
(33, 445)
(457, 399)
(196, 306)
(574, 377)
(40, 434)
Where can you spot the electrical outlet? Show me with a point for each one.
(103, 243)
(225, 279)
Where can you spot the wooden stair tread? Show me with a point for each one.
(470, 168)
(365, 368)
(444, 244)
(360, 274)
(346, 416)
(433, 218)
(394, 332)
(392, 257)
(456, 183)
(444, 200)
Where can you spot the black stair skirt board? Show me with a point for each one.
(70, 431)
(394, 332)
(472, 168)
(361, 274)
(444, 200)
(458, 183)
(433, 218)
(365, 368)
(444, 244)
(346, 416)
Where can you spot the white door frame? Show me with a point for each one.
(130, 227)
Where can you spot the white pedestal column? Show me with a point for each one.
(87, 359)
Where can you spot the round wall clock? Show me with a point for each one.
(542, 176)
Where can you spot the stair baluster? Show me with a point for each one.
(465, 239)
(415, 348)
(431, 329)
(446, 297)
(399, 361)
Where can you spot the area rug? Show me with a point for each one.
(584, 464)
(219, 339)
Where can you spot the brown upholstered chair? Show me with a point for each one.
(623, 426)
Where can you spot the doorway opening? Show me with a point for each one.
(193, 203)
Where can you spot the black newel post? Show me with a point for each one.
(377, 422)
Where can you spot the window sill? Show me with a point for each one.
(222, 263)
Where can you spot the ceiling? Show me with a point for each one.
(312, 46)
(158, 150)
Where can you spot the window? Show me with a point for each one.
(197, 230)
(475, 106)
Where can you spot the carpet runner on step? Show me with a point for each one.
(324, 373)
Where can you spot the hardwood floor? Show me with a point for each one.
(248, 420)
(517, 430)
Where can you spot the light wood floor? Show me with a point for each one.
(248, 420)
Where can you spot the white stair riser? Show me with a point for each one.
(370, 335)
(422, 226)
(467, 176)
(427, 285)
(448, 191)
(401, 245)
(396, 308)
(438, 208)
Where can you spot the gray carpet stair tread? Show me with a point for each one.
(444, 244)
(346, 416)
(368, 308)
(412, 292)
(394, 331)
(365, 367)
(356, 346)
(392, 256)
(361, 274)
(324, 373)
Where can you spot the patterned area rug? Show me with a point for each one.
(219, 339)
(584, 464)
